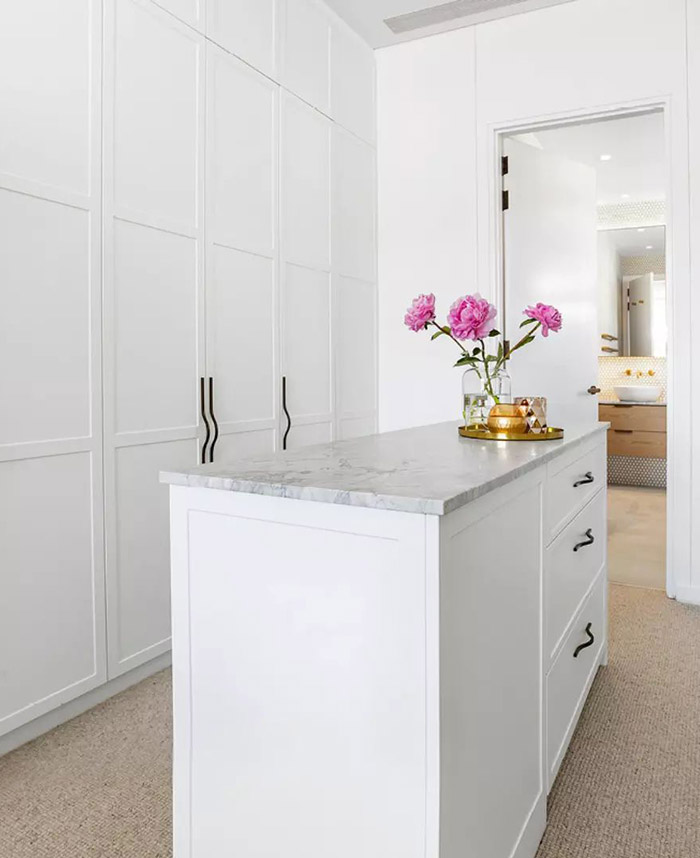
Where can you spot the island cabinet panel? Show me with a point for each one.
(491, 714)
(360, 652)
(306, 735)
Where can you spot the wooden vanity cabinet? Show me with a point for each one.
(635, 430)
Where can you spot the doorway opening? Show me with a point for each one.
(584, 228)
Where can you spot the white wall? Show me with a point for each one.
(579, 57)
(427, 217)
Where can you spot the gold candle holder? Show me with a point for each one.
(508, 418)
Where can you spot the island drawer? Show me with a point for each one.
(572, 481)
(571, 564)
(571, 674)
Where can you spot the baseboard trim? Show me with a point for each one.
(688, 595)
(68, 711)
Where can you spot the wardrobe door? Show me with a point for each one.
(242, 255)
(153, 338)
(52, 574)
(354, 278)
(306, 274)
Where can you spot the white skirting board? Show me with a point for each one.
(76, 707)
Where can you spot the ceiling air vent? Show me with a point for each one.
(444, 13)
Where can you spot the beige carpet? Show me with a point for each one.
(637, 536)
(99, 787)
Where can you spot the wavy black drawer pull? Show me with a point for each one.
(589, 478)
(588, 643)
(213, 420)
(203, 408)
(286, 412)
(590, 539)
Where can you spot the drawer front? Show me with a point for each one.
(571, 484)
(651, 445)
(645, 418)
(569, 677)
(572, 562)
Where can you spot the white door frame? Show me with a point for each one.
(677, 296)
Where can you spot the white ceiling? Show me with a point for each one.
(637, 168)
(645, 241)
(367, 16)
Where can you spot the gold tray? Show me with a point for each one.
(484, 434)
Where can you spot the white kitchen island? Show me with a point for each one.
(381, 647)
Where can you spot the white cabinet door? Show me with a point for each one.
(305, 45)
(242, 254)
(353, 88)
(52, 580)
(153, 342)
(354, 207)
(551, 242)
(246, 28)
(356, 365)
(305, 226)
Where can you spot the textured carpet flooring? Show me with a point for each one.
(99, 787)
(96, 787)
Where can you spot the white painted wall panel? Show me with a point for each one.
(155, 320)
(139, 596)
(51, 607)
(353, 84)
(155, 114)
(355, 345)
(45, 354)
(247, 28)
(45, 66)
(306, 355)
(241, 155)
(306, 184)
(240, 336)
(427, 218)
(306, 52)
(354, 206)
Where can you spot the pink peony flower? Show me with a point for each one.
(549, 317)
(421, 311)
(470, 317)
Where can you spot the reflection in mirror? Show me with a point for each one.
(632, 291)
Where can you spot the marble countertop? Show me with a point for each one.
(628, 402)
(429, 469)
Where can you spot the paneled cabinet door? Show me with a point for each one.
(154, 151)
(306, 272)
(242, 256)
(51, 570)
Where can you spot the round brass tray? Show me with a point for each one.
(484, 434)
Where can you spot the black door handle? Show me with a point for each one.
(588, 478)
(588, 643)
(203, 410)
(286, 412)
(213, 419)
(590, 539)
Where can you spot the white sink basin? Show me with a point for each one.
(637, 393)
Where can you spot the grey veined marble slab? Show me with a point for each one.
(430, 469)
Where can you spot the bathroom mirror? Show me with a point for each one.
(632, 291)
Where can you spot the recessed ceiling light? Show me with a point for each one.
(641, 229)
(606, 157)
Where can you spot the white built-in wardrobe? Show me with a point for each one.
(187, 192)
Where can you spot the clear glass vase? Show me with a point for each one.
(479, 396)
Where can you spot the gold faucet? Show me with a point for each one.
(640, 374)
